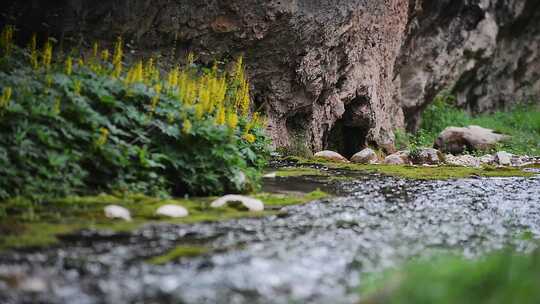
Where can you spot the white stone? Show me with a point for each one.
(366, 156)
(331, 155)
(173, 211)
(117, 212)
(252, 204)
(503, 158)
(270, 175)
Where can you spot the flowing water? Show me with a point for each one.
(318, 252)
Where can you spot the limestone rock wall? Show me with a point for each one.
(486, 52)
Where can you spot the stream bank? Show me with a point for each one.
(320, 252)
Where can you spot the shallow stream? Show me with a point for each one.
(318, 253)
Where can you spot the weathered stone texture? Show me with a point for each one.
(486, 52)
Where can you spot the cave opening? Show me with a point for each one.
(348, 134)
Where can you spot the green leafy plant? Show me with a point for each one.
(94, 124)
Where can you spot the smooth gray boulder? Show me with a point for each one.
(457, 140)
(366, 156)
(398, 158)
(426, 156)
(331, 156)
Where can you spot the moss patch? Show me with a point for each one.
(299, 171)
(24, 223)
(33, 235)
(178, 253)
(280, 200)
(420, 172)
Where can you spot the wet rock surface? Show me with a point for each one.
(316, 252)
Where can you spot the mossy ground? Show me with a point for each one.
(299, 171)
(403, 171)
(24, 223)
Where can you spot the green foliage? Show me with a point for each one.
(80, 129)
(522, 123)
(442, 113)
(498, 278)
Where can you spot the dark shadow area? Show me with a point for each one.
(348, 135)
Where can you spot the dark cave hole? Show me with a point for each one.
(346, 140)
(348, 135)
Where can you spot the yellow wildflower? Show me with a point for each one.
(95, 50)
(6, 39)
(214, 71)
(238, 73)
(250, 138)
(105, 55)
(103, 137)
(135, 74)
(155, 99)
(117, 58)
(69, 65)
(33, 52)
(48, 81)
(232, 120)
(5, 98)
(244, 101)
(151, 73)
(172, 79)
(47, 54)
(57, 103)
(186, 128)
(190, 59)
(77, 87)
(220, 117)
(199, 111)
(171, 118)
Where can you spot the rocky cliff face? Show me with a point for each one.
(342, 73)
(486, 52)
